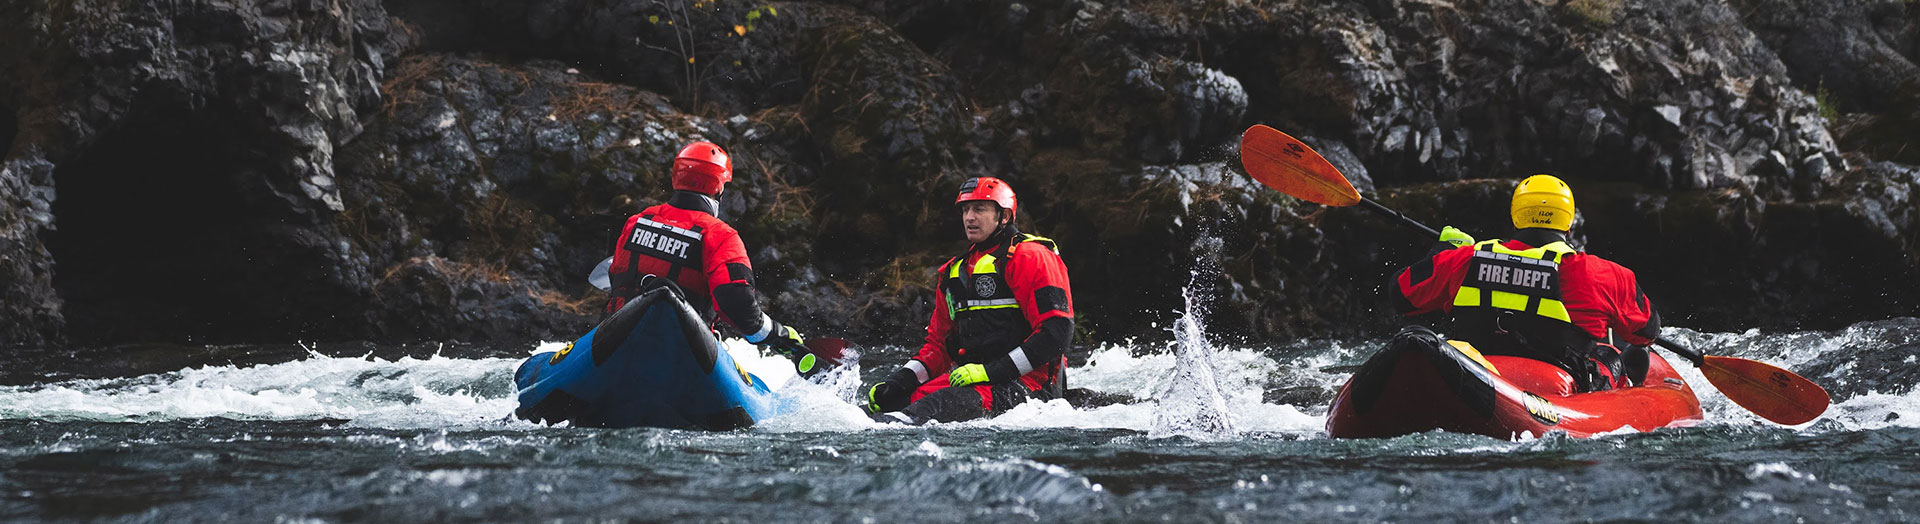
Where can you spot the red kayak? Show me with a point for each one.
(1412, 388)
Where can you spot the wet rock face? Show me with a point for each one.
(299, 169)
(171, 164)
(1858, 54)
(1667, 94)
(487, 192)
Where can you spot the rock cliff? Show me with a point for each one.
(217, 170)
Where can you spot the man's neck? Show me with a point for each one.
(1537, 236)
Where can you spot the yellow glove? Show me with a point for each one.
(967, 375)
(1455, 236)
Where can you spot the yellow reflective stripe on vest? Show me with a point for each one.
(987, 265)
(1024, 238)
(1505, 300)
(1559, 250)
(983, 266)
(1555, 309)
(1550, 254)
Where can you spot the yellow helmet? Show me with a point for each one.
(1543, 201)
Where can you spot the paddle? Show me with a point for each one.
(832, 351)
(1286, 165)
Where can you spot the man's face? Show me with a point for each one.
(980, 218)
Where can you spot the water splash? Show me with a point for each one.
(1191, 403)
(830, 401)
(1191, 387)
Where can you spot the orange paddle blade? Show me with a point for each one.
(1773, 393)
(1289, 166)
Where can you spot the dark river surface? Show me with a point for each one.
(365, 433)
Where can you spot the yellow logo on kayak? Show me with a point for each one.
(560, 355)
(744, 377)
(1470, 352)
(1542, 409)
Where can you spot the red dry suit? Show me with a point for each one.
(685, 243)
(1549, 303)
(1006, 304)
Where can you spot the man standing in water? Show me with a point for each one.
(684, 242)
(1002, 321)
(1534, 296)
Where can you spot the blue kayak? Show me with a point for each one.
(654, 363)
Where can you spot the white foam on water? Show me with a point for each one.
(1112, 369)
(830, 401)
(1761, 470)
(408, 392)
(1241, 375)
(1876, 411)
(438, 392)
(773, 368)
(1797, 352)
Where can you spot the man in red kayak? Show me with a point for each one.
(684, 242)
(1534, 296)
(1002, 320)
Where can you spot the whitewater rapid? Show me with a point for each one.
(461, 393)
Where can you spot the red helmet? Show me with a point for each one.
(702, 168)
(989, 188)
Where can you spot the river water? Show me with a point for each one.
(1184, 431)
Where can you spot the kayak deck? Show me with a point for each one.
(1413, 388)
(654, 363)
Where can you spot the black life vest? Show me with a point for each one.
(987, 320)
(1509, 303)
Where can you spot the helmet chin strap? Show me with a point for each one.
(1005, 231)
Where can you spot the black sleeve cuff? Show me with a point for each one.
(1001, 371)
(736, 301)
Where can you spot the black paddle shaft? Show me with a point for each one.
(1685, 352)
(1390, 213)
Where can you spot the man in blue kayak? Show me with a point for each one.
(1002, 322)
(1534, 296)
(684, 242)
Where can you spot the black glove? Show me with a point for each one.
(1604, 368)
(782, 338)
(787, 340)
(893, 394)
